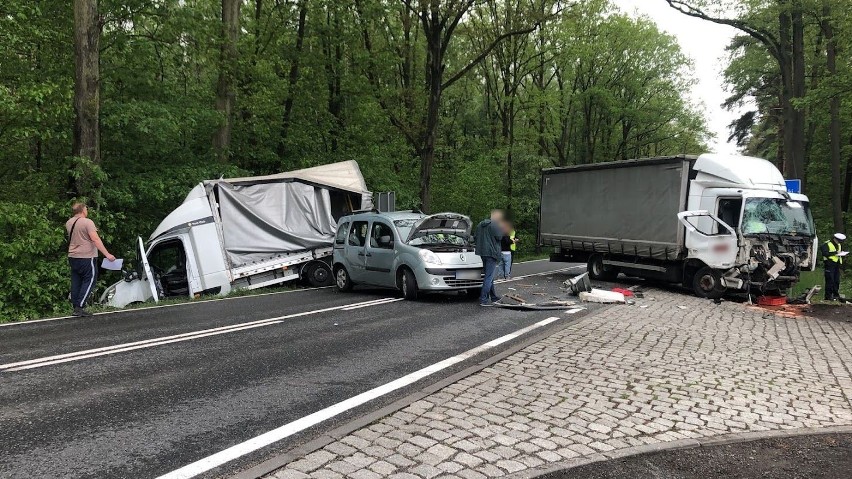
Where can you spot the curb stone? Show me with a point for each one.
(679, 445)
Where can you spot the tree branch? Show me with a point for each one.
(762, 35)
(459, 74)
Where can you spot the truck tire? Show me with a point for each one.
(598, 271)
(707, 283)
(407, 284)
(319, 275)
(342, 279)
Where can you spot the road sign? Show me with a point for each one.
(794, 186)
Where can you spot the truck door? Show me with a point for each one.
(356, 251)
(716, 250)
(147, 275)
(168, 260)
(380, 254)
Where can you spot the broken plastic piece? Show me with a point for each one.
(578, 284)
(601, 296)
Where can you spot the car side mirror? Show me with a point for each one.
(385, 241)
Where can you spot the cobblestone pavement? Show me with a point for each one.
(627, 376)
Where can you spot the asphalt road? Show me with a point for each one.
(142, 393)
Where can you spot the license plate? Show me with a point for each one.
(468, 274)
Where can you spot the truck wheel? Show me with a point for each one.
(598, 271)
(342, 279)
(407, 284)
(707, 283)
(319, 275)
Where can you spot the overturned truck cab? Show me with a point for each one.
(714, 223)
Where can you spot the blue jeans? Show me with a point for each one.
(488, 293)
(506, 264)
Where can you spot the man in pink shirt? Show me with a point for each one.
(83, 246)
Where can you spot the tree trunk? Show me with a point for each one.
(292, 79)
(798, 84)
(787, 128)
(847, 185)
(225, 86)
(834, 125)
(434, 75)
(86, 135)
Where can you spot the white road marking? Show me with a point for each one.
(275, 435)
(383, 301)
(544, 273)
(147, 343)
(130, 310)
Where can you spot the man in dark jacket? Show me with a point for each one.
(488, 235)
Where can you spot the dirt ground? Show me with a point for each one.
(806, 457)
(835, 312)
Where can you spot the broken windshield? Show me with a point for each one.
(404, 226)
(777, 216)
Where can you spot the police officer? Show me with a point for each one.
(832, 257)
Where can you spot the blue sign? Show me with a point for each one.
(794, 186)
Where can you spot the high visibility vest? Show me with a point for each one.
(831, 249)
(513, 246)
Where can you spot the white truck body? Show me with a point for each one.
(188, 254)
(712, 222)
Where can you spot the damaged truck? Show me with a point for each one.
(245, 233)
(714, 223)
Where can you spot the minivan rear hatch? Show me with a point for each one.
(448, 224)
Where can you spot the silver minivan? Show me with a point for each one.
(408, 251)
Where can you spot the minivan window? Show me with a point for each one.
(358, 234)
(340, 238)
(379, 230)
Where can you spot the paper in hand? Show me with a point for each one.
(842, 253)
(113, 265)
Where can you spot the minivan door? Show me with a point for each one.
(380, 255)
(356, 251)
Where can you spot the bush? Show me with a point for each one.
(35, 280)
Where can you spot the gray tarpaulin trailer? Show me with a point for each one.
(629, 207)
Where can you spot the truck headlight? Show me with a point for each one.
(429, 257)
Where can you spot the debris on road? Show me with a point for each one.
(578, 284)
(602, 296)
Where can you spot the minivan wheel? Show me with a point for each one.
(341, 278)
(600, 272)
(707, 283)
(319, 275)
(408, 284)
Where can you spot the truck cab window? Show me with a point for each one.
(729, 212)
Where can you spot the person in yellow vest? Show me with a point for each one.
(832, 258)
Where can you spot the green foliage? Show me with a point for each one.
(35, 271)
(356, 89)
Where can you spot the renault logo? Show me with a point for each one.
(461, 257)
